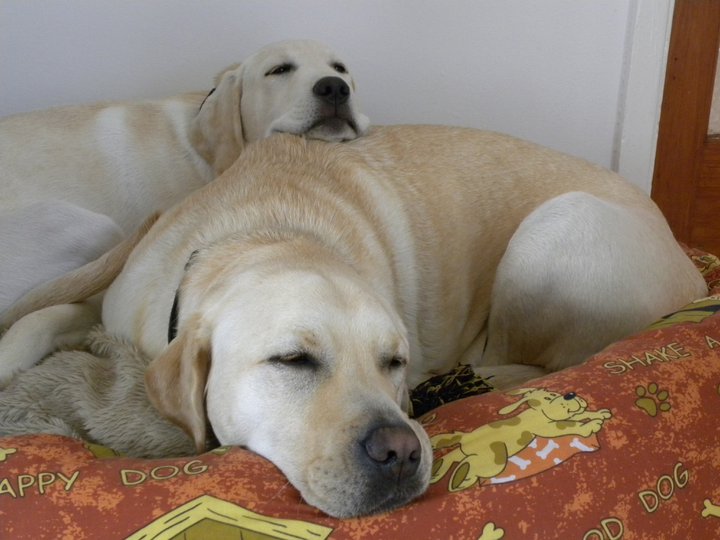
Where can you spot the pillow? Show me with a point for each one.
(623, 446)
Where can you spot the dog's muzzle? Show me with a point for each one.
(394, 468)
(392, 452)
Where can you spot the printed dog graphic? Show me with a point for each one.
(484, 452)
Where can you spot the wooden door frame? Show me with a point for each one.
(687, 160)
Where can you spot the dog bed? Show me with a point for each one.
(641, 461)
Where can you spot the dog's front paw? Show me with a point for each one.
(3, 383)
(7, 374)
(593, 426)
(603, 414)
(463, 478)
(8, 370)
(439, 468)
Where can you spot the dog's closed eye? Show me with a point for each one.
(297, 359)
(393, 363)
(280, 69)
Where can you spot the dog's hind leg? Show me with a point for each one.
(59, 313)
(79, 284)
(579, 273)
(47, 239)
(500, 377)
(41, 332)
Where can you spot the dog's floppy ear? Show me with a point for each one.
(520, 391)
(511, 408)
(216, 131)
(175, 382)
(525, 392)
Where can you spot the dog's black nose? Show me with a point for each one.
(333, 90)
(569, 396)
(394, 450)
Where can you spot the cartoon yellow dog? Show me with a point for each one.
(484, 452)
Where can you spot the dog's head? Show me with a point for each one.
(552, 405)
(305, 366)
(298, 87)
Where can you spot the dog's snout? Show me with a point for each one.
(569, 396)
(394, 450)
(333, 90)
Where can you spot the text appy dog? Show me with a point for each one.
(303, 290)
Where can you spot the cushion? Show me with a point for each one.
(639, 460)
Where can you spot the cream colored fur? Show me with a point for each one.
(111, 165)
(91, 394)
(315, 281)
(47, 319)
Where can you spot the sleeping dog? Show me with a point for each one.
(100, 170)
(288, 305)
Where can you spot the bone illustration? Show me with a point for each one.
(710, 509)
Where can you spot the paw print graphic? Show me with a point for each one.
(652, 400)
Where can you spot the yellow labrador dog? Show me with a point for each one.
(100, 170)
(288, 305)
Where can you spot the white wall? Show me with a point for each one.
(552, 71)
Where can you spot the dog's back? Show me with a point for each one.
(110, 158)
(567, 256)
(427, 215)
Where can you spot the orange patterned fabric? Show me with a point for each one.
(638, 459)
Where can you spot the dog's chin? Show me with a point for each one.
(357, 505)
(330, 129)
(346, 488)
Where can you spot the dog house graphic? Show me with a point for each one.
(209, 517)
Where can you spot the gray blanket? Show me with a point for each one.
(97, 395)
